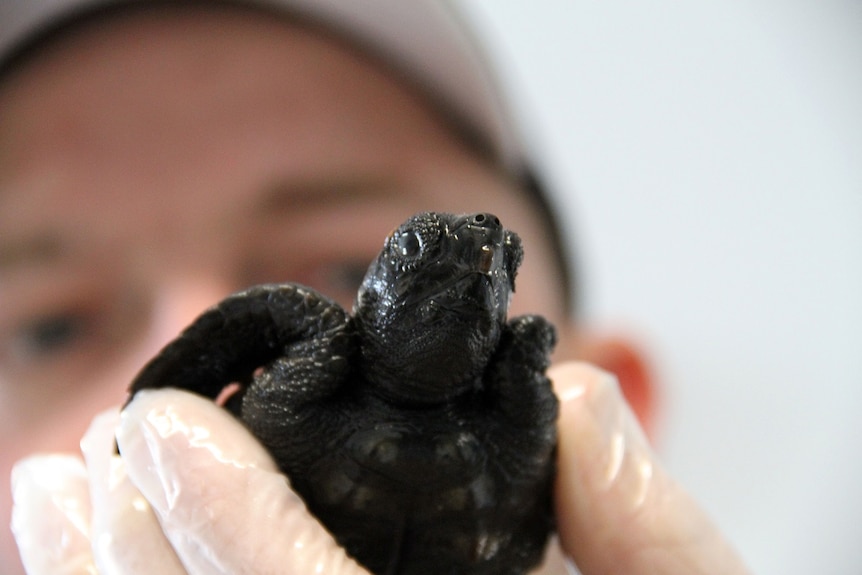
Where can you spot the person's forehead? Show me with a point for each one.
(175, 91)
(165, 36)
(426, 42)
(136, 39)
(136, 60)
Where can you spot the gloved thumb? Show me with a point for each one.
(217, 493)
(618, 511)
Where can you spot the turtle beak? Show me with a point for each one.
(481, 238)
(486, 258)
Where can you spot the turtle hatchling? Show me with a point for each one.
(420, 428)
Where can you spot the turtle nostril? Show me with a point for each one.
(485, 221)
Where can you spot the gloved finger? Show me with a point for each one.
(50, 515)
(218, 494)
(125, 534)
(617, 509)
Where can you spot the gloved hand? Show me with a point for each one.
(195, 493)
(618, 511)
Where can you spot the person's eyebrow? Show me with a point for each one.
(37, 249)
(310, 195)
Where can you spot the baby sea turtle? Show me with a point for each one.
(420, 429)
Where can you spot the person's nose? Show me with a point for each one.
(174, 304)
(179, 301)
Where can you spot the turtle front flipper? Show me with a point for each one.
(245, 331)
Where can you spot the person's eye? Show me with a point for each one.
(40, 338)
(345, 275)
(339, 280)
(45, 340)
(69, 338)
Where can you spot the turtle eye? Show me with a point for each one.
(408, 244)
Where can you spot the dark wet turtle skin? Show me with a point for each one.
(420, 429)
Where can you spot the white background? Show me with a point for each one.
(710, 154)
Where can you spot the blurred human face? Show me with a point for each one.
(154, 163)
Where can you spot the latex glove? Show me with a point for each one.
(224, 509)
(194, 492)
(618, 511)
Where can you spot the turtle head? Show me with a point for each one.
(433, 304)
